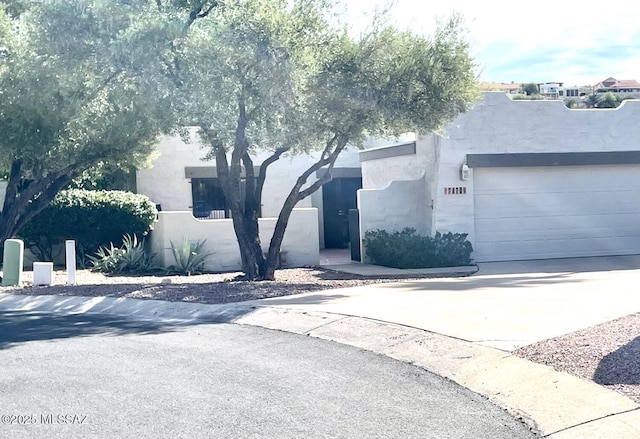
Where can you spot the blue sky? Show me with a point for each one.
(541, 41)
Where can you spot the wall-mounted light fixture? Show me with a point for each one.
(465, 172)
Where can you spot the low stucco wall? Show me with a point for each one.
(401, 204)
(300, 239)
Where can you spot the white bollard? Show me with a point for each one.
(42, 273)
(71, 261)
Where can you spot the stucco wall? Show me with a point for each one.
(166, 184)
(300, 240)
(399, 205)
(398, 190)
(495, 125)
(499, 125)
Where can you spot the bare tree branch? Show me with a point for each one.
(199, 12)
(262, 174)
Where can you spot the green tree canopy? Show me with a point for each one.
(282, 77)
(530, 89)
(609, 100)
(83, 84)
(90, 83)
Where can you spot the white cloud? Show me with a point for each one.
(539, 41)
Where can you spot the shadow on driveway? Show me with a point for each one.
(567, 265)
(307, 299)
(477, 283)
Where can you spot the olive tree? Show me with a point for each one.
(282, 77)
(82, 83)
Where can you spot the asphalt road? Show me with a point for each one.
(98, 377)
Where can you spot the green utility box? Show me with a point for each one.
(12, 262)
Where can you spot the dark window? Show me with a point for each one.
(209, 200)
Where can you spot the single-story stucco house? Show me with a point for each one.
(524, 180)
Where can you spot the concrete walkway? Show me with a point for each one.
(460, 328)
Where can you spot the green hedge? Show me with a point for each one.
(92, 218)
(407, 249)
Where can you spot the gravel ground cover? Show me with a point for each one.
(202, 288)
(608, 354)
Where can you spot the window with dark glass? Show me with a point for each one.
(209, 200)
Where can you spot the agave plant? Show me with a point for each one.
(131, 257)
(190, 257)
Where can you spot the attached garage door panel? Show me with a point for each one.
(556, 212)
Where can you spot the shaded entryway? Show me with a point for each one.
(338, 197)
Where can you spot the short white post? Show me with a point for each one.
(71, 261)
(42, 273)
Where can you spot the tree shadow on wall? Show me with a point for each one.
(621, 366)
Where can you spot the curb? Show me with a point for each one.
(553, 404)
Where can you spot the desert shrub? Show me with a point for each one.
(189, 257)
(93, 219)
(407, 249)
(130, 258)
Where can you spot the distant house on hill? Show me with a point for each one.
(624, 87)
(557, 90)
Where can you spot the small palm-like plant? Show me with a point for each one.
(190, 257)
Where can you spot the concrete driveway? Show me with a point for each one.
(505, 305)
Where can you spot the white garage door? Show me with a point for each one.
(556, 212)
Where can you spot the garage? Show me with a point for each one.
(544, 211)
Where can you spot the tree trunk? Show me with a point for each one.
(244, 215)
(329, 156)
(271, 262)
(20, 205)
(244, 225)
(249, 245)
(9, 215)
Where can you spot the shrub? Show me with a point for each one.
(407, 249)
(521, 97)
(131, 258)
(189, 257)
(93, 218)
